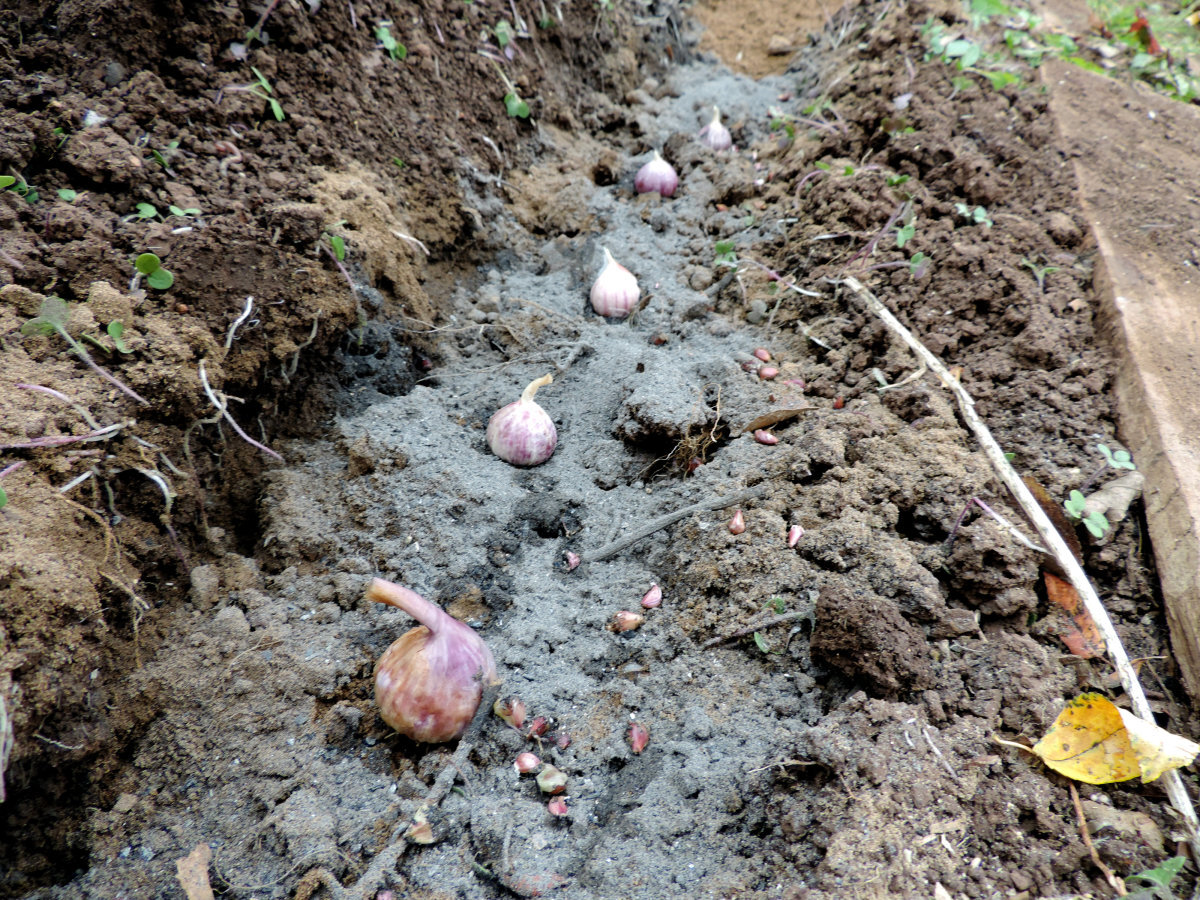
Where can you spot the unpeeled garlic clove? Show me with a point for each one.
(428, 683)
(511, 710)
(652, 599)
(794, 535)
(551, 780)
(522, 433)
(526, 762)
(738, 523)
(557, 807)
(656, 176)
(615, 291)
(639, 736)
(626, 621)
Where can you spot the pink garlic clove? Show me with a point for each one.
(538, 727)
(522, 434)
(526, 762)
(762, 353)
(572, 561)
(765, 437)
(511, 710)
(652, 599)
(738, 523)
(766, 373)
(557, 807)
(626, 621)
(639, 736)
(794, 534)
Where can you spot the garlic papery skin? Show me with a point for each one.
(522, 433)
(429, 682)
(657, 176)
(714, 134)
(615, 291)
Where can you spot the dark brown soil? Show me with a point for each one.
(915, 652)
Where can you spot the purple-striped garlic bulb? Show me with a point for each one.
(522, 433)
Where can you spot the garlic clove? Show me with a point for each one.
(639, 736)
(522, 433)
(625, 621)
(738, 523)
(765, 437)
(794, 534)
(557, 807)
(652, 599)
(551, 780)
(526, 762)
(615, 291)
(762, 353)
(715, 135)
(511, 710)
(767, 373)
(657, 176)
(538, 727)
(429, 681)
(572, 561)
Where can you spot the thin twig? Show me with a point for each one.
(1004, 523)
(758, 626)
(671, 518)
(1052, 539)
(1114, 882)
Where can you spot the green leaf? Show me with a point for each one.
(116, 330)
(1085, 64)
(761, 643)
(961, 82)
(516, 107)
(6, 181)
(398, 162)
(67, 194)
(896, 180)
(1000, 80)
(146, 211)
(503, 32)
(339, 246)
(31, 196)
(159, 158)
(982, 10)
(905, 233)
(1097, 524)
(276, 109)
(4, 503)
(958, 48)
(823, 166)
(262, 80)
(147, 263)
(918, 260)
(160, 279)
(1164, 872)
(1074, 505)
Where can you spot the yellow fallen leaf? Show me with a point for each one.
(1094, 742)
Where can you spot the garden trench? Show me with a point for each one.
(845, 749)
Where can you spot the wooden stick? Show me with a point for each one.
(1114, 882)
(671, 518)
(1051, 539)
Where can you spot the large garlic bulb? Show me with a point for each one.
(522, 433)
(429, 682)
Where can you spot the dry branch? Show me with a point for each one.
(1050, 538)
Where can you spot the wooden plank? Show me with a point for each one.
(1137, 159)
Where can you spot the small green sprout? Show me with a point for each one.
(399, 163)
(515, 106)
(1161, 876)
(6, 181)
(52, 319)
(896, 180)
(338, 243)
(383, 34)
(905, 233)
(503, 33)
(20, 187)
(188, 213)
(162, 157)
(1039, 272)
(146, 211)
(918, 265)
(150, 266)
(263, 91)
(726, 255)
(1118, 460)
(977, 216)
(67, 194)
(761, 643)
(3, 498)
(1095, 522)
(116, 331)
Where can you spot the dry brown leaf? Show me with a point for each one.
(1112, 501)
(774, 417)
(1081, 635)
(192, 872)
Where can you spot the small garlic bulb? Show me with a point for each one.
(522, 433)
(428, 683)
(714, 134)
(615, 292)
(658, 175)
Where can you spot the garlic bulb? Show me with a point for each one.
(714, 134)
(615, 291)
(429, 682)
(658, 175)
(522, 433)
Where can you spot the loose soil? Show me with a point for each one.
(185, 652)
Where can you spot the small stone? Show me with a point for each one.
(778, 45)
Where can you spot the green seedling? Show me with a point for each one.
(6, 181)
(1160, 878)
(905, 233)
(919, 265)
(52, 319)
(67, 194)
(3, 498)
(399, 163)
(20, 187)
(148, 265)
(725, 254)
(513, 104)
(146, 211)
(503, 33)
(264, 91)
(338, 243)
(162, 157)
(977, 216)
(1095, 522)
(61, 134)
(188, 213)
(1119, 460)
(1039, 272)
(116, 331)
(896, 180)
(383, 34)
